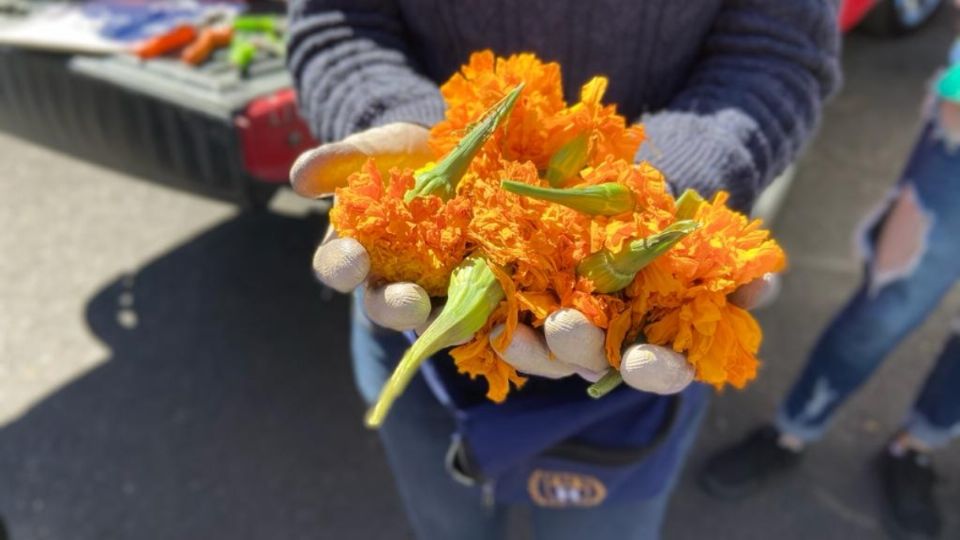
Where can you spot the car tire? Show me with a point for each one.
(893, 18)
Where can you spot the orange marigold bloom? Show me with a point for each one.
(683, 293)
(655, 206)
(477, 358)
(609, 134)
(720, 339)
(542, 243)
(536, 240)
(514, 230)
(482, 82)
(617, 332)
(727, 251)
(421, 241)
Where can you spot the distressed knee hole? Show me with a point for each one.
(896, 240)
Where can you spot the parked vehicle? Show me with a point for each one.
(889, 17)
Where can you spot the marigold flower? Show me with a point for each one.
(421, 241)
(684, 293)
(720, 340)
(729, 250)
(535, 247)
(477, 358)
(482, 82)
(609, 134)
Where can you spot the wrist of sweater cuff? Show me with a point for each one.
(692, 153)
(424, 112)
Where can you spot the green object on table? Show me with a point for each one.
(258, 23)
(242, 52)
(252, 33)
(948, 87)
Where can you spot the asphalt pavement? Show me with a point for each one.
(170, 370)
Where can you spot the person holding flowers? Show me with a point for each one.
(558, 235)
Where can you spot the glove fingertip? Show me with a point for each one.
(527, 352)
(575, 340)
(655, 369)
(341, 264)
(397, 306)
(318, 172)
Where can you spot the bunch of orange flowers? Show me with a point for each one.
(536, 247)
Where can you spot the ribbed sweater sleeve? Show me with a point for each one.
(752, 101)
(352, 68)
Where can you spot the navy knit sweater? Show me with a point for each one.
(729, 90)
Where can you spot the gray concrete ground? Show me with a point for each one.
(169, 369)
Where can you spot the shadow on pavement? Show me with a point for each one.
(225, 410)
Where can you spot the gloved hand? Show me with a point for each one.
(342, 263)
(321, 170)
(569, 343)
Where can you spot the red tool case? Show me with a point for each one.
(272, 135)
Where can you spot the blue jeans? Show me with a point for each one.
(416, 437)
(878, 317)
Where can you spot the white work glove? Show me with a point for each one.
(342, 263)
(569, 343)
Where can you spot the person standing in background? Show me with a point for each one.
(912, 256)
(729, 92)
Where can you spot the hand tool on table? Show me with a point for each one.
(209, 40)
(198, 40)
(171, 40)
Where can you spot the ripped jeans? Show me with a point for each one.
(892, 301)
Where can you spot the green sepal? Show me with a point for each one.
(612, 272)
(607, 199)
(442, 179)
(569, 160)
(688, 204)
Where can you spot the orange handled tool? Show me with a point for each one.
(209, 40)
(179, 36)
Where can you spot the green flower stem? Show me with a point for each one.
(610, 380)
(474, 293)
